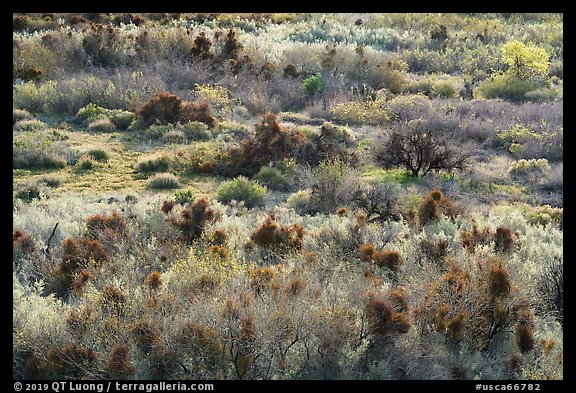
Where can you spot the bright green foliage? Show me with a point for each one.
(313, 84)
(242, 189)
(525, 61)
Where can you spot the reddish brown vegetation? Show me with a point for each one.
(22, 243)
(381, 258)
(169, 108)
(270, 234)
(153, 281)
(118, 364)
(194, 218)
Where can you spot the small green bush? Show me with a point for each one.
(153, 164)
(30, 125)
(196, 131)
(446, 88)
(31, 191)
(273, 178)
(85, 163)
(242, 189)
(173, 136)
(163, 181)
(184, 196)
(313, 84)
(121, 119)
(532, 167)
(301, 202)
(99, 155)
(507, 87)
(103, 124)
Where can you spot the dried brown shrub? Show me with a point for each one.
(270, 234)
(167, 206)
(389, 259)
(201, 47)
(111, 227)
(113, 296)
(381, 314)
(295, 287)
(22, 243)
(367, 252)
(163, 107)
(197, 111)
(119, 365)
(194, 218)
(504, 239)
(456, 326)
(499, 280)
(524, 336)
(81, 279)
(261, 278)
(153, 281)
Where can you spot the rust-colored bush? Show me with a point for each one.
(22, 243)
(31, 74)
(163, 107)
(247, 331)
(401, 323)
(201, 47)
(499, 280)
(475, 237)
(119, 365)
(20, 22)
(113, 296)
(261, 278)
(436, 251)
(219, 237)
(232, 47)
(503, 239)
(429, 210)
(367, 252)
(145, 333)
(153, 281)
(93, 250)
(514, 362)
(194, 218)
(81, 279)
(456, 327)
(524, 336)
(381, 314)
(100, 226)
(270, 143)
(270, 234)
(388, 258)
(167, 206)
(197, 111)
(398, 299)
(220, 252)
(295, 287)
(290, 71)
(73, 361)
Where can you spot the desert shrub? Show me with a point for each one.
(153, 281)
(99, 155)
(184, 196)
(506, 86)
(90, 112)
(382, 258)
(103, 124)
(119, 365)
(383, 316)
(153, 164)
(446, 88)
(326, 183)
(201, 47)
(121, 119)
(30, 125)
(418, 150)
(85, 163)
(173, 136)
(532, 169)
(195, 217)
(196, 131)
(163, 181)
(371, 111)
(504, 239)
(20, 114)
(101, 226)
(261, 278)
(242, 190)
(524, 142)
(434, 206)
(313, 84)
(377, 198)
(270, 234)
(22, 243)
(271, 143)
(167, 206)
(300, 201)
(197, 111)
(272, 178)
(31, 191)
(163, 107)
(333, 142)
(216, 96)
